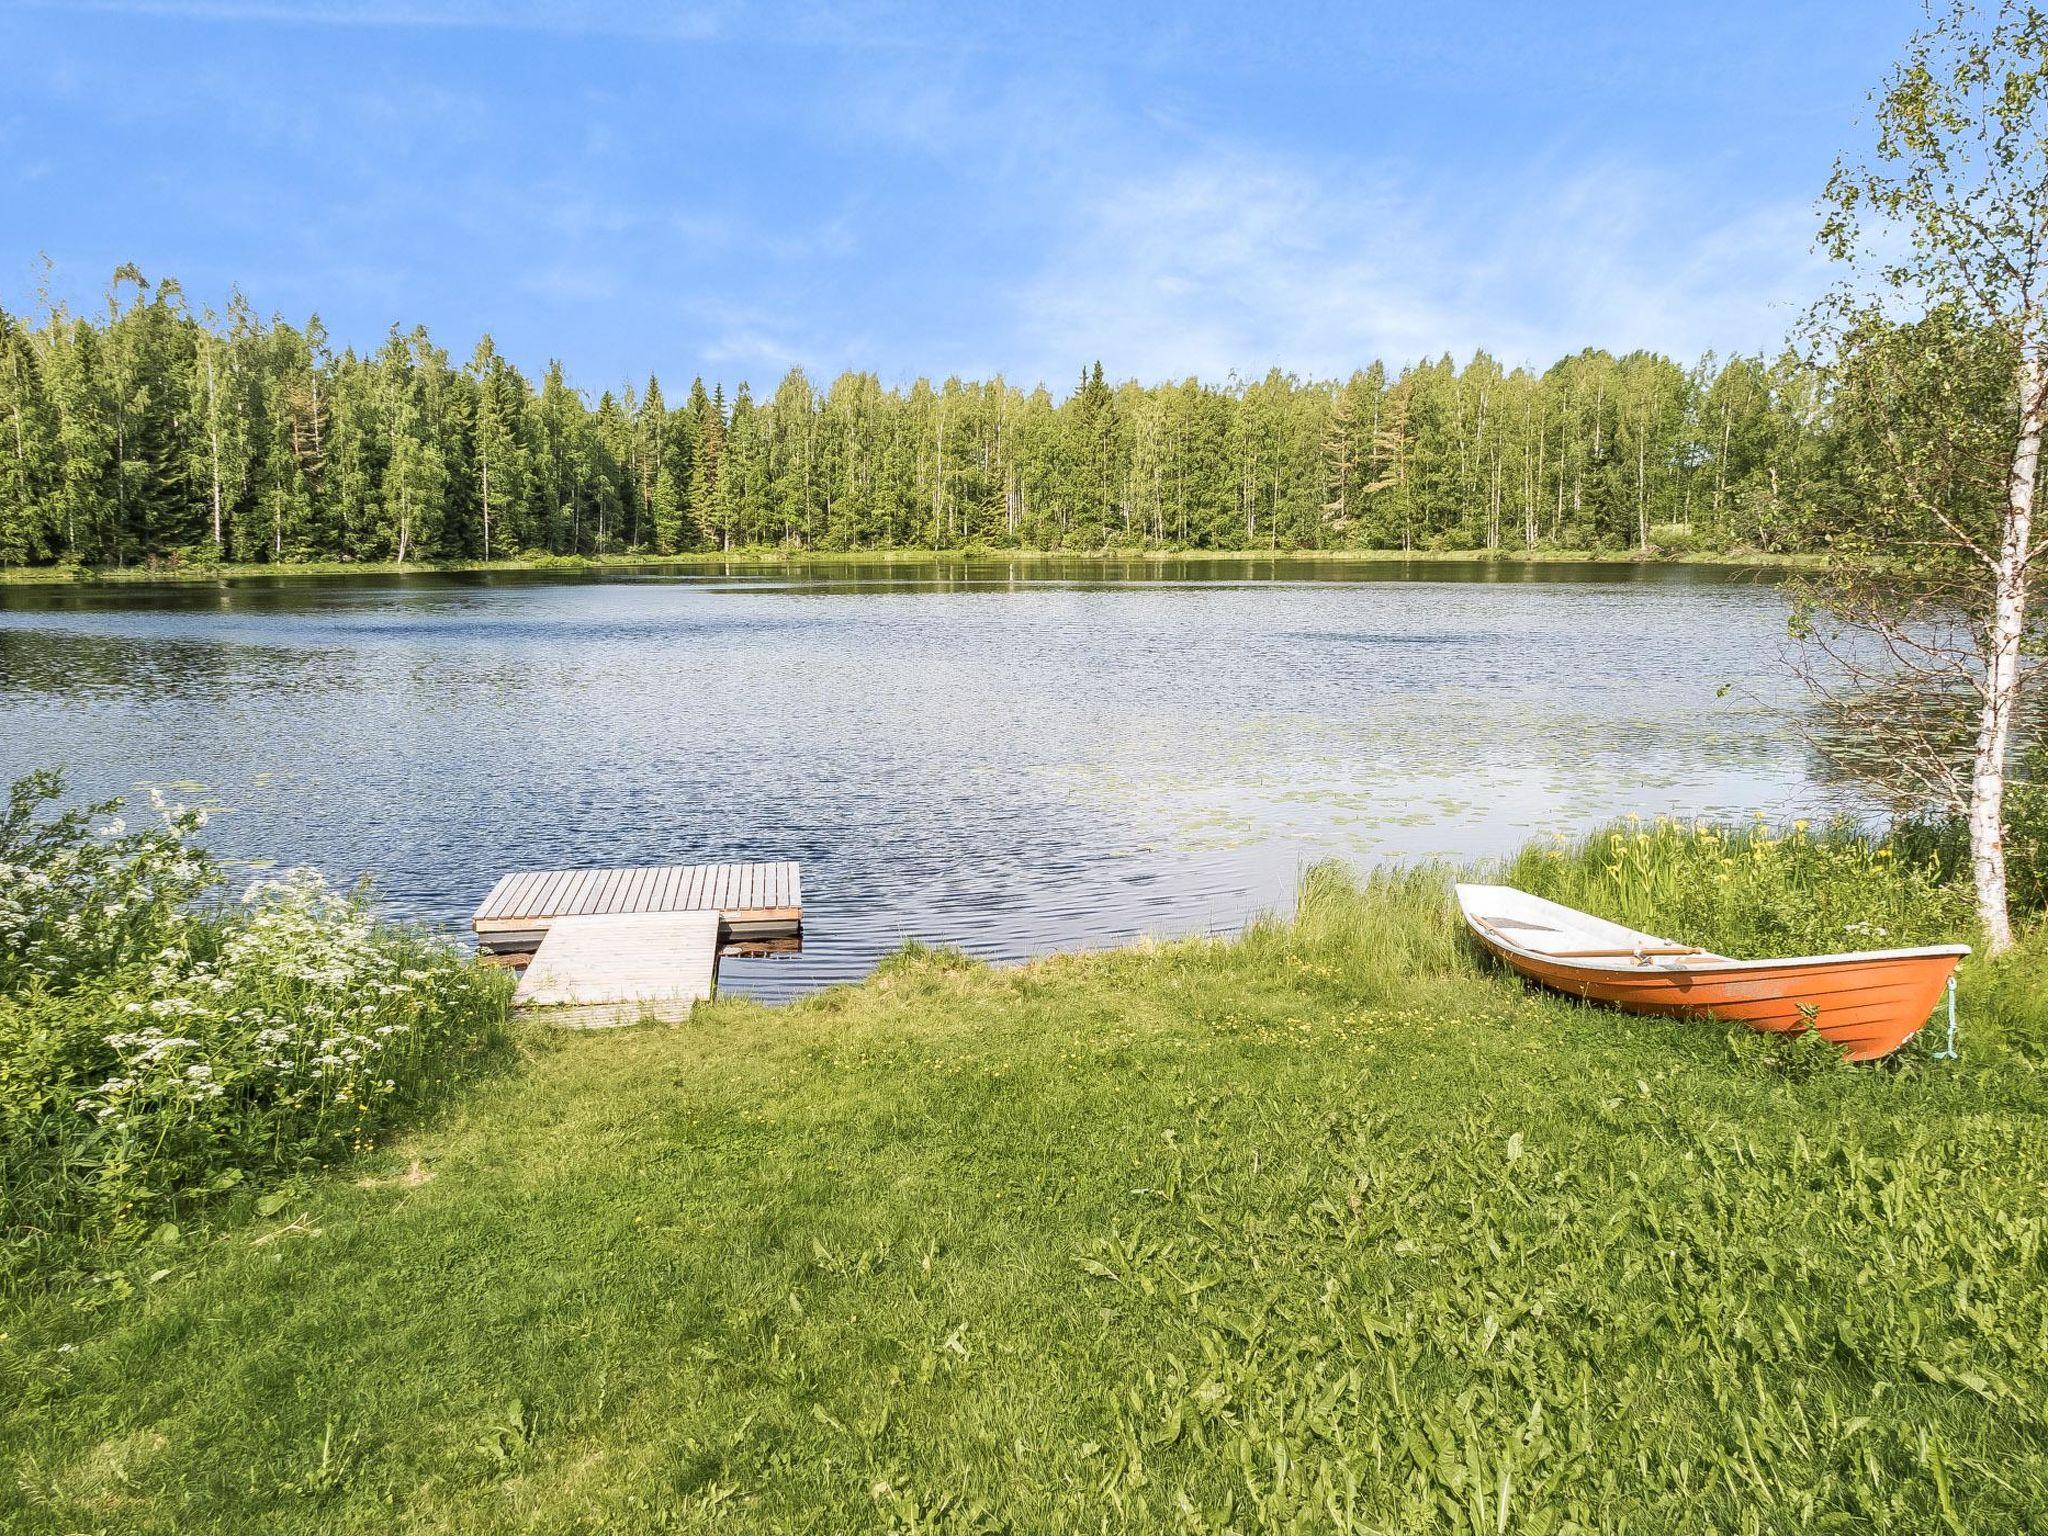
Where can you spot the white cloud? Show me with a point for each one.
(1233, 260)
(1229, 262)
(763, 342)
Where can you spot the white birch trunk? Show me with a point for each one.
(2002, 665)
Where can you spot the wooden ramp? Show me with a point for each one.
(750, 900)
(592, 972)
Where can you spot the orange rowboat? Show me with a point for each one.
(1868, 1004)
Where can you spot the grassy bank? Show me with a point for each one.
(778, 556)
(1333, 1227)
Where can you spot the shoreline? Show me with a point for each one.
(772, 558)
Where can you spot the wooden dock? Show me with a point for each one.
(593, 972)
(613, 946)
(751, 900)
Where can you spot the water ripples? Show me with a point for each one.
(1010, 758)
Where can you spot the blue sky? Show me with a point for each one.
(1185, 188)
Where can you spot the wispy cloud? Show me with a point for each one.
(1231, 260)
(763, 341)
(1228, 262)
(863, 25)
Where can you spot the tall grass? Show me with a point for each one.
(160, 1047)
(1374, 933)
(1751, 891)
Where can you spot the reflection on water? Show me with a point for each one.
(1009, 756)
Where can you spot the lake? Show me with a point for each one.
(1013, 757)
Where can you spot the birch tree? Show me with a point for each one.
(1941, 231)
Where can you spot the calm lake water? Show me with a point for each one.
(1013, 758)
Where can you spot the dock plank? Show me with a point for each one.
(535, 897)
(596, 971)
(489, 905)
(622, 893)
(577, 897)
(515, 891)
(757, 899)
(548, 890)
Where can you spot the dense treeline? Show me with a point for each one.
(150, 432)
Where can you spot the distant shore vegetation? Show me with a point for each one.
(152, 433)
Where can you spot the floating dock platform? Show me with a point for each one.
(614, 946)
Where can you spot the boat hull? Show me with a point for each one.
(1869, 1005)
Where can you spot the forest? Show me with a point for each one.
(150, 433)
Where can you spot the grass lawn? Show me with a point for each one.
(1331, 1228)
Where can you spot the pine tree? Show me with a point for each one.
(499, 455)
(30, 453)
(1340, 462)
(738, 497)
(650, 461)
(87, 493)
(1392, 483)
(707, 413)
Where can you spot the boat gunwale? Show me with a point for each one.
(1703, 964)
